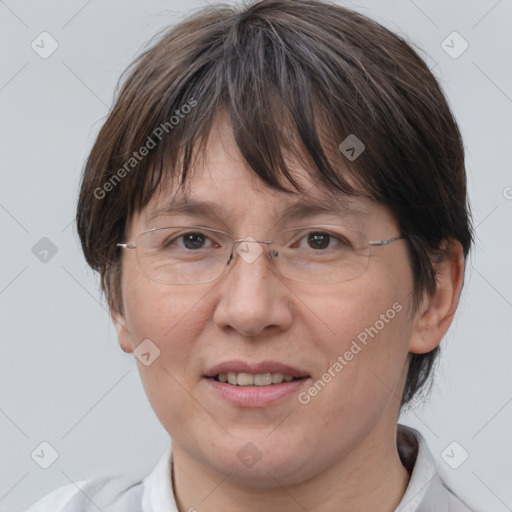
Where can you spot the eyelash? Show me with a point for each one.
(303, 236)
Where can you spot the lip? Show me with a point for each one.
(240, 366)
(255, 396)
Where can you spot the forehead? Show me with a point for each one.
(230, 206)
(222, 160)
(214, 204)
(221, 185)
(233, 205)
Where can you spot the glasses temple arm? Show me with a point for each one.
(386, 242)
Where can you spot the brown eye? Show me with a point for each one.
(322, 240)
(193, 240)
(319, 240)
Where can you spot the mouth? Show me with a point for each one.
(251, 379)
(264, 373)
(255, 384)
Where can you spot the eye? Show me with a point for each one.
(190, 241)
(320, 240)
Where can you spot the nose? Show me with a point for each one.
(252, 297)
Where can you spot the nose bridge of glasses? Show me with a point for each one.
(251, 239)
(249, 249)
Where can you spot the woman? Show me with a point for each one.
(277, 209)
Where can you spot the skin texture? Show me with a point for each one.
(340, 448)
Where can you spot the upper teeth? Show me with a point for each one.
(250, 379)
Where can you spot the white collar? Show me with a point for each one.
(423, 473)
(158, 494)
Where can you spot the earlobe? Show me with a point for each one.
(123, 334)
(436, 313)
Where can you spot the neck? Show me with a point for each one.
(370, 477)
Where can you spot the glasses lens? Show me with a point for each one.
(182, 255)
(193, 255)
(323, 255)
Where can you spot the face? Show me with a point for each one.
(350, 338)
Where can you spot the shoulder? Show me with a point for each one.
(109, 494)
(114, 493)
(441, 498)
(56, 499)
(428, 491)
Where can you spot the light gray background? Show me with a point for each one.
(64, 379)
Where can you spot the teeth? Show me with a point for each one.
(245, 379)
(249, 379)
(262, 379)
(277, 378)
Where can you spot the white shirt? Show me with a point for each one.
(426, 492)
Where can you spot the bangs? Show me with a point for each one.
(278, 108)
(286, 92)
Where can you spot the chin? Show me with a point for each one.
(261, 464)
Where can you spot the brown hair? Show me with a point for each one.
(293, 75)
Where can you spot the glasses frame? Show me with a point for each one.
(371, 243)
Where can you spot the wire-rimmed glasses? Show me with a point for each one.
(320, 254)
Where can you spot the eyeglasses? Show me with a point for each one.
(312, 254)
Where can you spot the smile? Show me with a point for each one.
(249, 379)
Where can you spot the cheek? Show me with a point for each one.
(153, 310)
(170, 318)
(366, 349)
(372, 307)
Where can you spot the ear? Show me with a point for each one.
(116, 306)
(123, 335)
(436, 313)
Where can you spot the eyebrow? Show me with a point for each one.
(304, 208)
